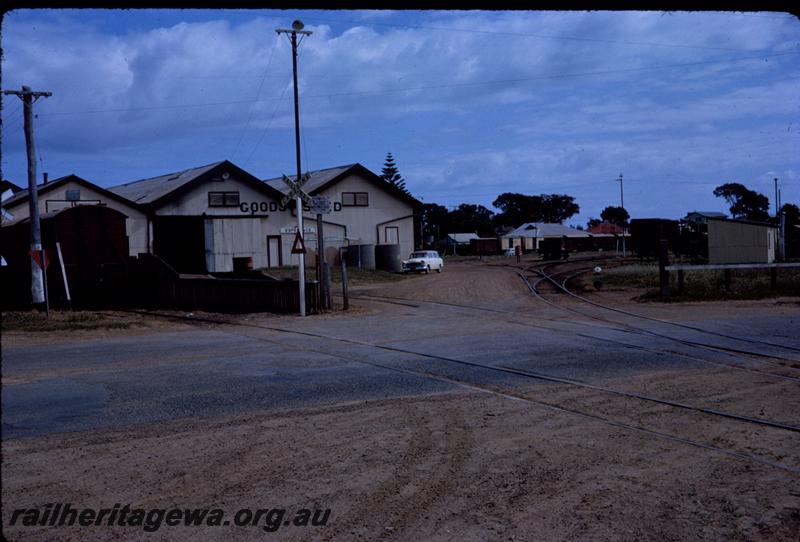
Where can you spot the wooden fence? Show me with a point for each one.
(154, 283)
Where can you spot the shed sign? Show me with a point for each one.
(256, 207)
(293, 229)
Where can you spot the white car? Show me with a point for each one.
(423, 261)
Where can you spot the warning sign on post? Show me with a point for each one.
(37, 257)
(298, 247)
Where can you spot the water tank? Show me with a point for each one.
(387, 258)
(362, 256)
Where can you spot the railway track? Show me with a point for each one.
(786, 363)
(416, 303)
(517, 395)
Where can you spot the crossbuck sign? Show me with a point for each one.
(295, 190)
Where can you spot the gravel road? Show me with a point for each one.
(336, 411)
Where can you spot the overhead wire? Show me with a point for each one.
(258, 95)
(13, 113)
(269, 123)
(439, 86)
(506, 33)
(274, 111)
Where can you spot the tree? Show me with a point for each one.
(558, 207)
(592, 223)
(468, 218)
(391, 174)
(744, 203)
(615, 215)
(792, 213)
(518, 209)
(434, 220)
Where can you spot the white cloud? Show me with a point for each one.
(425, 89)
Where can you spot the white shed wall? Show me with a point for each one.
(368, 225)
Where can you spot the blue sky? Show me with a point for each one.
(471, 103)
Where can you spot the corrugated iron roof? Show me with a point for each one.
(148, 190)
(17, 196)
(462, 237)
(545, 229)
(318, 179)
(5, 184)
(743, 221)
(324, 178)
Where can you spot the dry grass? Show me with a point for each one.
(705, 285)
(66, 320)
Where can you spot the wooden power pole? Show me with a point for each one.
(297, 28)
(622, 204)
(28, 98)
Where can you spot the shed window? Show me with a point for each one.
(223, 199)
(73, 195)
(355, 199)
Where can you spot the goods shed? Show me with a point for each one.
(213, 218)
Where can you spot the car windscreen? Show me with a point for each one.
(419, 254)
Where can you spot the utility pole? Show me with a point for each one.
(622, 204)
(777, 201)
(28, 97)
(297, 28)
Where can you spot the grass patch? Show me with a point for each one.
(631, 276)
(62, 321)
(706, 285)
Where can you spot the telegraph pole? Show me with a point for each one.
(622, 204)
(28, 97)
(297, 28)
(777, 201)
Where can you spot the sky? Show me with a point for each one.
(471, 103)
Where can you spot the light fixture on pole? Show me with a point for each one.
(297, 28)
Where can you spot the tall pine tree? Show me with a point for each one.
(391, 174)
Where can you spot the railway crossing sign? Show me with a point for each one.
(298, 246)
(295, 190)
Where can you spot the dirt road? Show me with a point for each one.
(480, 457)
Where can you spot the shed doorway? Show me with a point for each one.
(180, 241)
(274, 255)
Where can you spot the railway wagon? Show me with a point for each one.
(554, 248)
(647, 233)
(607, 242)
(484, 246)
(94, 245)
